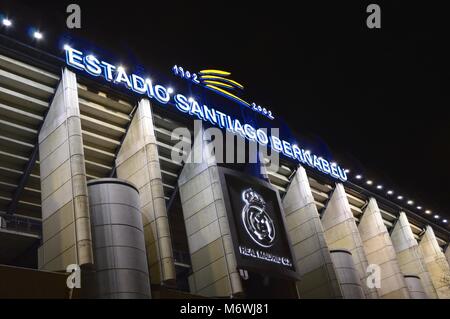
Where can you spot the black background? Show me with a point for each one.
(235, 186)
(376, 99)
(277, 308)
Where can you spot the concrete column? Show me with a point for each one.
(309, 247)
(380, 251)
(409, 256)
(341, 232)
(436, 263)
(65, 209)
(121, 269)
(447, 254)
(415, 287)
(347, 274)
(138, 163)
(210, 244)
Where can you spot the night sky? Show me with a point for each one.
(375, 98)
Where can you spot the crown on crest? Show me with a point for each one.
(252, 197)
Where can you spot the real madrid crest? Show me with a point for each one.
(258, 224)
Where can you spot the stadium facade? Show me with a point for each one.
(87, 178)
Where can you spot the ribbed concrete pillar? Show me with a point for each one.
(380, 251)
(207, 227)
(415, 287)
(65, 209)
(409, 256)
(309, 247)
(436, 263)
(341, 232)
(121, 269)
(347, 274)
(138, 162)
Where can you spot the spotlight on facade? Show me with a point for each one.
(38, 35)
(410, 202)
(419, 207)
(170, 90)
(6, 22)
(369, 182)
(400, 197)
(190, 100)
(428, 212)
(445, 221)
(389, 192)
(380, 187)
(358, 176)
(66, 47)
(436, 217)
(347, 171)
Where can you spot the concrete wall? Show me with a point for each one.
(65, 210)
(309, 247)
(409, 255)
(380, 251)
(436, 263)
(208, 231)
(341, 232)
(138, 162)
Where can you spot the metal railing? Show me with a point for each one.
(182, 257)
(20, 224)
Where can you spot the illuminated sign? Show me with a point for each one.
(257, 224)
(188, 105)
(255, 253)
(217, 81)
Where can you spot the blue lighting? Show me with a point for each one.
(119, 76)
